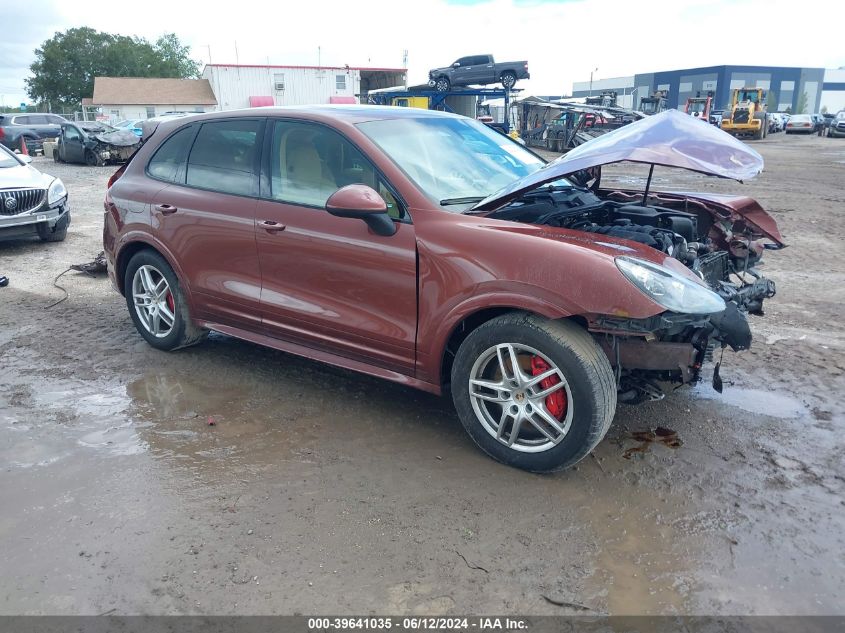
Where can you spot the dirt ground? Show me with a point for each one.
(317, 490)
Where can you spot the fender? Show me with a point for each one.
(142, 237)
(434, 334)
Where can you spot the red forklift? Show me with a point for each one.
(700, 107)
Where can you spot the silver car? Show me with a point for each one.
(31, 203)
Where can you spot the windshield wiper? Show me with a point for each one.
(467, 200)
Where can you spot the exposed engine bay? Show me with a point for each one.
(720, 247)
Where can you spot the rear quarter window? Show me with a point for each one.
(169, 159)
(223, 157)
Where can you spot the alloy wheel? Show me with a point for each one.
(153, 300)
(521, 397)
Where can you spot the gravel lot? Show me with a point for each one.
(321, 491)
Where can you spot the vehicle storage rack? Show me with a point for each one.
(437, 100)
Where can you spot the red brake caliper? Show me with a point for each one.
(555, 402)
(170, 302)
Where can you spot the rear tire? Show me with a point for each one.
(56, 234)
(91, 158)
(588, 389)
(508, 80)
(158, 306)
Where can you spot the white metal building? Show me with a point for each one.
(244, 86)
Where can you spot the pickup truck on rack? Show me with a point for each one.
(477, 70)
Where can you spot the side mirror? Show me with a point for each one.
(362, 202)
(456, 65)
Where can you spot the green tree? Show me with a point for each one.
(801, 108)
(824, 109)
(66, 64)
(772, 101)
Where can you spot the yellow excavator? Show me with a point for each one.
(748, 116)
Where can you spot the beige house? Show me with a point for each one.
(119, 98)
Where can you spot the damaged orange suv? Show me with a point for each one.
(427, 249)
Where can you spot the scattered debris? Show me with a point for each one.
(661, 434)
(97, 266)
(4, 281)
(569, 605)
(470, 565)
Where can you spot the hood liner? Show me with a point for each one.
(670, 138)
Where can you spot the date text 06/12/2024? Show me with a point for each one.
(417, 623)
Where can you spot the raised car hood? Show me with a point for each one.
(669, 138)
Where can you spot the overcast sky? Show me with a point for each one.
(562, 39)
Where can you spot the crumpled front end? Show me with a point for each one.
(648, 354)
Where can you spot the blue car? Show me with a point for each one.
(130, 124)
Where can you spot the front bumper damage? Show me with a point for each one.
(667, 348)
(26, 224)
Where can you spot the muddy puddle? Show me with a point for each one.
(251, 487)
(759, 401)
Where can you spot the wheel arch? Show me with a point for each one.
(467, 324)
(135, 245)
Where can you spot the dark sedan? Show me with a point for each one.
(94, 143)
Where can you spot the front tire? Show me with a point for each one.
(157, 304)
(532, 393)
(91, 158)
(442, 84)
(57, 233)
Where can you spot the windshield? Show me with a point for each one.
(748, 95)
(453, 161)
(7, 159)
(697, 106)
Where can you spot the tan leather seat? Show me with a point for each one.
(305, 179)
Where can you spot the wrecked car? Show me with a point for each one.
(425, 248)
(94, 143)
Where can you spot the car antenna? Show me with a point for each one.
(648, 185)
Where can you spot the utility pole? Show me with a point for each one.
(591, 80)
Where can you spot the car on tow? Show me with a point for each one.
(424, 248)
(31, 203)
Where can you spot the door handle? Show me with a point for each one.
(166, 209)
(270, 226)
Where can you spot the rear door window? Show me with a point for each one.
(224, 156)
(169, 160)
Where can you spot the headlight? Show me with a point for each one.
(669, 289)
(56, 193)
